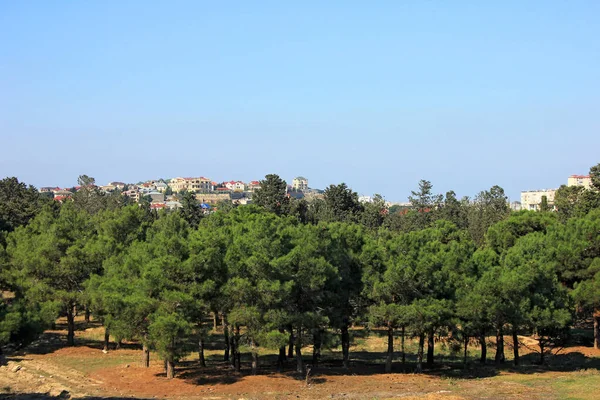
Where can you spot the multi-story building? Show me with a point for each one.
(200, 184)
(133, 194)
(300, 183)
(580, 180)
(532, 199)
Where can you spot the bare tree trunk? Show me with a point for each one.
(466, 349)
(430, 348)
(420, 353)
(499, 346)
(215, 321)
(390, 349)
(145, 356)
(542, 351)
(119, 343)
(87, 315)
(597, 328)
(106, 339)
(170, 369)
(291, 344)
(483, 358)
(238, 356)
(281, 357)
(345, 347)
(254, 358)
(515, 338)
(403, 331)
(316, 347)
(71, 324)
(299, 361)
(201, 358)
(226, 339)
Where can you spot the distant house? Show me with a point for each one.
(157, 206)
(160, 186)
(133, 194)
(235, 186)
(172, 205)
(300, 184)
(200, 184)
(253, 185)
(48, 189)
(61, 198)
(118, 185)
(62, 193)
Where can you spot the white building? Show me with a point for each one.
(300, 183)
(235, 186)
(532, 199)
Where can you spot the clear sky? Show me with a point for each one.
(377, 94)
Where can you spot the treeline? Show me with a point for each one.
(285, 273)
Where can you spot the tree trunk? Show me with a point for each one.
(238, 356)
(106, 339)
(483, 348)
(346, 347)
(281, 357)
(145, 356)
(170, 369)
(499, 346)
(597, 328)
(402, 332)
(466, 349)
(201, 358)
(71, 324)
(390, 349)
(515, 346)
(316, 347)
(299, 361)
(232, 355)
(430, 348)
(542, 351)
(420, 353)
(291, 344)
(215, 321)
(226, 339)
(119, 343)
(87, 315)
(254, 358)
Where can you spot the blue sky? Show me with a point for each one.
(466, 94)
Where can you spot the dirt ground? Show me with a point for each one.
(47, 369)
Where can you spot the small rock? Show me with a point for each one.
(16, 368)
(105, 351)
(127, 366)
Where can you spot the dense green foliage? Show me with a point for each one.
(285, 273)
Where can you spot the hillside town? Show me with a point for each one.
(167, 193)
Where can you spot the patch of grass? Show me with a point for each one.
(89, 364)
(578, 385)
